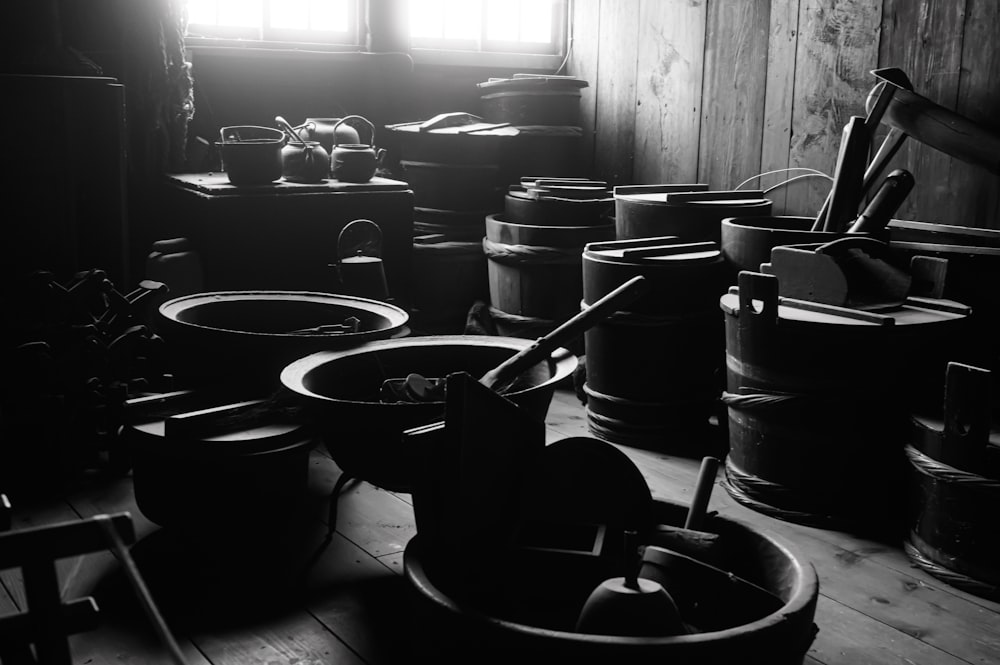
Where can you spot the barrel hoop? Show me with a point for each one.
(955, 579)
(518, 319)
(621, 401)
(757, 494)
(949, 474)
(447, 247)
(768, 402)
(516, 255)
(651, 320)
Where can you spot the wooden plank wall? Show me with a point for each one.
(719, 91)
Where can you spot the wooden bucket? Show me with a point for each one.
(652, 371)
(448, 276)
(690, 212)
(954, 482)
(535, 271)
(454, 186)
(817, 400)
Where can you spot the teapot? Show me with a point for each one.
(302, 161)
(355, 162)
(324, 129)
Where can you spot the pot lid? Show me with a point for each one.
(456, 124)
(912, 312)
(666, 251)
(695, 197)
(533, 82)
(240, 428)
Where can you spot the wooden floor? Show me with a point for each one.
(345, 600)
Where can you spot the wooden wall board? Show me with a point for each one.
(582, 63)
(778, 95)
(837, 49)
(668, 90)
(924, 38)
(618, 46)
(976, 191)
(732, 110)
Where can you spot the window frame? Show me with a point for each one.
(421, 52)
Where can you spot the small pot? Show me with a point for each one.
(305, 161)
(355, 162)
(251, 155)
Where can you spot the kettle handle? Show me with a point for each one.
(362, 236)
(371, 128)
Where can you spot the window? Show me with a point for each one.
(314, 21)
(515, 33)
(514, 26)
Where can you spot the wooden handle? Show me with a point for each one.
(890, 195)
(507, 371)
(702, 493)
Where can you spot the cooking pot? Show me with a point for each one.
(355, 162)
(325, 130)
(251, 155)
(339, 392)
(249, 336)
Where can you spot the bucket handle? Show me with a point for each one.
(371, 128)
(362, 237)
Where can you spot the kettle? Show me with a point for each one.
(324, 130)
(359, 262)
(302, 161)
(355, 162)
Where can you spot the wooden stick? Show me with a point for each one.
(702, 493)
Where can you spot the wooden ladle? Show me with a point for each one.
(417, 388)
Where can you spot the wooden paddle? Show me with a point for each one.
(418, 388)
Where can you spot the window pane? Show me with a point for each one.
(536, 21)
(502, 20)
(289, 14)
(328, 15)
(427, 18)
(242, 13)
(202, 11)
(462, 19)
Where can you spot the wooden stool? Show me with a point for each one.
(49, 621)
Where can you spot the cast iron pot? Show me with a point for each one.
(249, 336)
(339, 391)
(251, 155)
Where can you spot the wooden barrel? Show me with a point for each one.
(448, 277)
(541, 150)
(535, 271)
(690, 212)
(817, 399)
(747, 241)
(954, 482)
(455, 224)
(454, 186)
(652, 371)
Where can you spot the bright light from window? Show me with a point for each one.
(328, 15)
(291, 14)
(240, 13)
(502, 20)
(202, 11)
(462, 19)
(427, 18)
(536, 21)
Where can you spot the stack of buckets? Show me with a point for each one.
(452, 164)
(535, 251)
(655, 373)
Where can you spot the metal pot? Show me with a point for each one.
(251, 155)
(249, 336)
(355, 162)
(340, 393)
